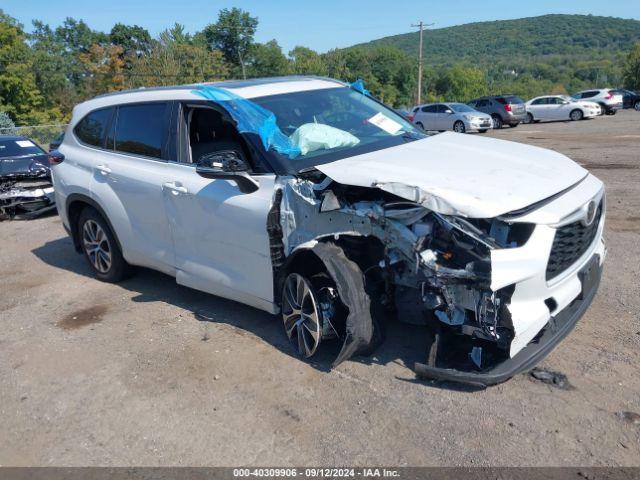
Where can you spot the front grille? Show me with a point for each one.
(570, 243)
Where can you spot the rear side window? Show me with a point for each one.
(141, 129)
(590, 94)
(429, 109)
(511, 99)
(92, 128)
(540, 101)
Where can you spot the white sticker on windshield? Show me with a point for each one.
(25, 143)
(383, 122)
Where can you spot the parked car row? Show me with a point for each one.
(495, 111)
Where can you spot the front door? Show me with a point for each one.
(219, 233)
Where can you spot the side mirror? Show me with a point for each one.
(227, 165)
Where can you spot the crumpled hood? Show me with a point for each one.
(458, 174)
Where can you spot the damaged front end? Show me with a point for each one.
(26, 191)
(405, 260)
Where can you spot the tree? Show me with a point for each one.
(134, 40)
(104, 69)
(461, 83)
(233, 35)
(267, 60)
(171, 61)
(632, 68)
(7, 127)
(19, 94)
(307, 62)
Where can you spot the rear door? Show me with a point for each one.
(428, 117)
(128, 179)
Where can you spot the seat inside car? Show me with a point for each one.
(209, 132)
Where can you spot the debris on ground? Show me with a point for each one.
(555, 379)
(630, 417)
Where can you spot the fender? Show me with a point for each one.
(81, 198)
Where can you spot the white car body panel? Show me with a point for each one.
(560, 111)
(220, 235)
(213, 238)
(460, 174)
(432, 121)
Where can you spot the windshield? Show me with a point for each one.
(19, 147)
(462, 108)
(329, 124)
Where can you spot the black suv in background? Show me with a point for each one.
(630, 99)
(504, 109)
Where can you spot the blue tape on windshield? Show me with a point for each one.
(358, 86)
(251, 118)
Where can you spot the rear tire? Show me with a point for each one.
(497, 122)
(420, 125)
(459, 127)
(636, 106)
(100, 247)
(513, 125)
(528, 118)
(576, 115)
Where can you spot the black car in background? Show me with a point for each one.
(630, 99)
(25, 179)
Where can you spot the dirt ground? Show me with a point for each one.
(151, 373)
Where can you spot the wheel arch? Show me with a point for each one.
(76, 202)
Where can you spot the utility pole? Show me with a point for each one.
(421, 25)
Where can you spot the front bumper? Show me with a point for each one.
(558, 327)
(480, 124)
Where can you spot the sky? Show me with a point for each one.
(317, 24)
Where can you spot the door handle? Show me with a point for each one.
(103, 169)
(176, 189)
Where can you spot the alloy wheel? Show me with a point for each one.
(300, 315)
(458, 127)
(97, 246)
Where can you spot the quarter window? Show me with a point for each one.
(91, 129)
(140, 129)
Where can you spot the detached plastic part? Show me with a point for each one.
(350, 282)
(251, 118)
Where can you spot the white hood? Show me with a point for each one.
(458, 174)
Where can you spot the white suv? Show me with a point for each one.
(306, 197)
(609, 100)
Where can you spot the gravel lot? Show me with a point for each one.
(151, 373)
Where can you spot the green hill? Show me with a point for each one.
(557, 37)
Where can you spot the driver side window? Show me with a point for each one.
(206, 132)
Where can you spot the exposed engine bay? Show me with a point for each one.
(26, 190)
(414, 264)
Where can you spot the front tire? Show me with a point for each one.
(459, 127)
(576, 115)
(301, 315)
(497, 122)
(100, 247)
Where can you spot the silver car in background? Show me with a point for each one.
(458, 117)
